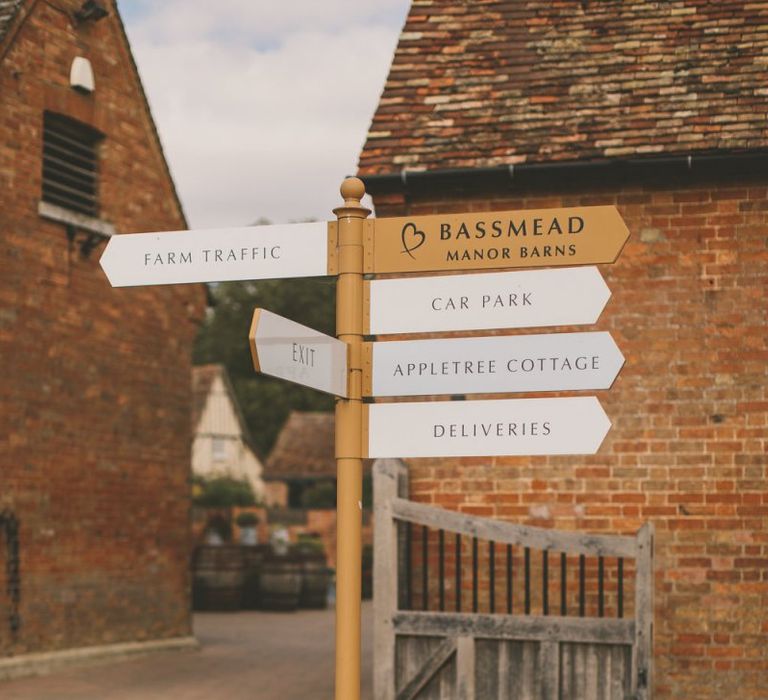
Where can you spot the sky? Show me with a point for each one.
(262, 107)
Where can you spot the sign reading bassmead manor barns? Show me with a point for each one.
(536, 238)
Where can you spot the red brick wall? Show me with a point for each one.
(95, 382)
(687, 450)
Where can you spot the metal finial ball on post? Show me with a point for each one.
(352, 189)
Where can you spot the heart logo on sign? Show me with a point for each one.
(412, 238)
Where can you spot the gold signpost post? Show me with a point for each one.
(349, 447)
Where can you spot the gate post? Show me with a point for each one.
(388, 474)
(642, 659)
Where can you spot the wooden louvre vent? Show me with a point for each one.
(70, 166)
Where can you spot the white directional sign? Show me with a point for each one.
(493, 365)
(217, 255)
(288, 350)
(556, 426)
(523, 299)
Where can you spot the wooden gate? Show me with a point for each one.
(473, 608)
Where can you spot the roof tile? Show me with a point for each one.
(510, 81)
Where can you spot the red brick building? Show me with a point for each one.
(95, 385)
(659, 109)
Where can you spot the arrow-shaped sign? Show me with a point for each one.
(503, 239)
(556, 426)
(288, 350)
(493, 365)
(218, 255)
(521, 299)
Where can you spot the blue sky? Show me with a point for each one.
(262, 107)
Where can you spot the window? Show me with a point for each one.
(70, 164)
(218, 448)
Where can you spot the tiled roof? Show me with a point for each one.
(202, 380)
(7, 11)
(477, 84)
(304, 447)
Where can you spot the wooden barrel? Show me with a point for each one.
(315, 578)
(280, 582)
(253, 561)
(217, 577)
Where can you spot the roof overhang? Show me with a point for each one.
(657, 169)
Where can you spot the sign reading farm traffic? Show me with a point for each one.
(288, 350)
(521, 299)
(557, 426)
(530, 238)
(493, 365)
(218, 255)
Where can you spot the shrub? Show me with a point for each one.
(246, 519)
(223, 492)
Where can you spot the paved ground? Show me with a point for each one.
(253, 655)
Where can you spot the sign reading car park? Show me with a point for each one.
(288, 350)
(520, 299)
(458, 242)
(494, 365)
(485, 428)
(218, 255)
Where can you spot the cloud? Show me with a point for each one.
(262, 110)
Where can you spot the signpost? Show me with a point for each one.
(503, 239)
(219, 255)
(521, 299)
(561, 426)
(350, 369)
(288, 350)
(494, 365)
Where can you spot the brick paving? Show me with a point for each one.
(253, 655)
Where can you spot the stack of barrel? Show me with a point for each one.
(234, 577)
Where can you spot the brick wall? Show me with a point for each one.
(95, 382)
(687, 450)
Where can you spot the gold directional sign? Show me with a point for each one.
(504, 239)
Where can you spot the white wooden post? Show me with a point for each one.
(389, 480)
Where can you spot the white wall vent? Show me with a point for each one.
(81, 75)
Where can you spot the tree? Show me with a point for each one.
(265, 402)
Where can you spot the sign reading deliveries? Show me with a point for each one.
(528, 238)
(557, 426)
(219, 255)
(288, 350)
(493, 365)
(520, 299)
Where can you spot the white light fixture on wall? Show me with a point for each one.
(81, 75)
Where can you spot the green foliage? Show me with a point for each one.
(246, 519)
(320, 495)
(265, 402)
(310, 543)
(222, 492)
